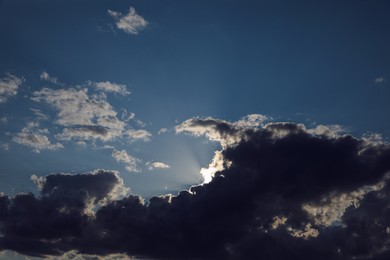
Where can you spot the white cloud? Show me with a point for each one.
(140, 134)
(3, 120)
(252, 120)
(75, 106)
(131, 22)
(157, 165)
(35, 138)
(107, 86)
(217, 164)
(225, 132)
(9, 87)
(130, 161)
(86, 116)
(162, 131)
(46, 77)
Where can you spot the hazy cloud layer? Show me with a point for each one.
(131, 22)
(9, 86)
(278, 191)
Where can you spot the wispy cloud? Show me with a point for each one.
(86, 116)
(157, 165)
(46, 77)
(162, 131)
(380, 80)
(131, 22)
(9, 86)
(130, 161)
(107, 86)
(4, 146)
(36, 138)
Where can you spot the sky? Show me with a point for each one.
(106, 107)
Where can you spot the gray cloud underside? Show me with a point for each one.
(285, 192)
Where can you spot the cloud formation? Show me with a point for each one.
(36, 138)
(87, 116)
(107, 86)
(131, 22)
(46, 77)
(130, 161)
(9, 86)
(278, 191)
(380, 80)
(157, 165)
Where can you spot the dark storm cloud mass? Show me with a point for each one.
(287, 192)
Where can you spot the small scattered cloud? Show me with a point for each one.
(107, 86)
(380, 80)
(130, 161)
(87, 117)
(36, 138)
(157, 165)
(9, 86)
(162, 131)
(46, 77)
(131, 22)
(39, 114)
(3, 120)
(4, 146)
(127, 116)
(139, 134)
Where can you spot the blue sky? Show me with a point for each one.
(323, 62)
(88, 85)
(317, 63)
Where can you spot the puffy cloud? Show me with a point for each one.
(139, 134)
(107, 86)
(130, 161)
(36, 138)
(86, 117)
(157, 165)
(279, 191)
(74, 106)
(46, 77)
(131, 22)
(9, 86)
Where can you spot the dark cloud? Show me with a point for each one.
(286, 192)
